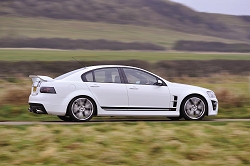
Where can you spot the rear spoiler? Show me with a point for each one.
(36, 78)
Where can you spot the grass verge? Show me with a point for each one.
(133, 143)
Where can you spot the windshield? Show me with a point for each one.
(68, 74)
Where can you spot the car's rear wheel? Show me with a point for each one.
(194, 107)
(81, 109)
(65, 118)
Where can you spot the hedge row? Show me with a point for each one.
(164, 68)
(64, 43)
(211, 46)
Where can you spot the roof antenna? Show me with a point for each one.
(78, 61)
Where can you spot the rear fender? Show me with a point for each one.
(76, 93)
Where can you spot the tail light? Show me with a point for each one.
(48, 90)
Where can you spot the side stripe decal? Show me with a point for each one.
(137, 109)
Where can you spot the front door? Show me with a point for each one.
(143, 92)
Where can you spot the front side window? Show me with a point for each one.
(107, 75)
(139, 77)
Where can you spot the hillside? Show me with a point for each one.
(148, 13)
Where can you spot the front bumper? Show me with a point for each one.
(213, 107)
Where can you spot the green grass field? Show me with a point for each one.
(85, 55)
(53, 28)
(127, 143)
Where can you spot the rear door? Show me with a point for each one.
(108, 88)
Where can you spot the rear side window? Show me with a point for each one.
(105, 75)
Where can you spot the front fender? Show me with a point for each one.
(182, 93)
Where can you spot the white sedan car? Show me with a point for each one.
(115, 90)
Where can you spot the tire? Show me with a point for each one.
(65, 118)
(81, 109)
(194, 107)
(175, 118)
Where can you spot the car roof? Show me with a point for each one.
(88, 68)
(102, 66)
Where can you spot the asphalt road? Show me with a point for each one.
(115, 120)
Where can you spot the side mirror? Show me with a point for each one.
(159, 83)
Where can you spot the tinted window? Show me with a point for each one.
(139, 77)
(107, 75)
(89, 77)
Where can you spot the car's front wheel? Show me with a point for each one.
(81, 109)
(194, 107)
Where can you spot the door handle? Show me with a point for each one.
(94, 86)
(134, 88)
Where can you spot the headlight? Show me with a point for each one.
(211, 94)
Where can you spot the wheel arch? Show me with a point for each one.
(78, 96)
(195, 94)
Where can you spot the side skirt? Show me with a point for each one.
(125, 111)
(137, 109)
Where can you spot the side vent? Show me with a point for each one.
(175, 101)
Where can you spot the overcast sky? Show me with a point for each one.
(232, 7)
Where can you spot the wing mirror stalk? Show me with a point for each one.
(159, 83)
